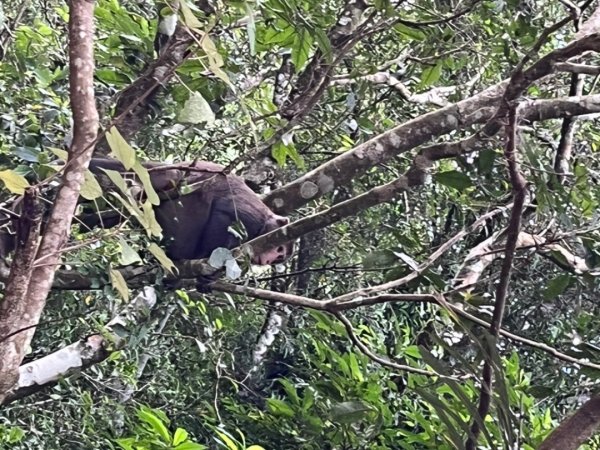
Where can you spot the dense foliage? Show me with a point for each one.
(229, 371)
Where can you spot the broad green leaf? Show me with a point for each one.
(411, 33)
(162, 257)
(144, 177)
(117, 179)
(190, 446)
(486, 160)
(557, 286)
(281, 152)
(355, 368)
(14, 182)
(128, 254)
(112, 76)
(379, 259)
(130, 207)
(145, 216)
(28, 154)
(301, 48)
(255, 447)
(215, 61)
(350, 412)
(188, 16)
(180, 436)
(280, 408)
(152, 227)
(60, 153)
(90, 189)
(196, 110)
(157, 425)
(324, 44)
(126, 443)
(120, 148)
(284, 36)
(454, 179)
(431, 75)
(118, 282)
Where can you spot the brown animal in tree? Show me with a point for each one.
(196, 223)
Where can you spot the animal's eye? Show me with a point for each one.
(280, 249)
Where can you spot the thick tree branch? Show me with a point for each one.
(93, 349)
(577, 429)
(26, 310)
(342, 169)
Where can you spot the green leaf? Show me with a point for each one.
(149, 221)
(118, 282)
(301, 48)
(156, 424)
(215, 61)
(196, 110)
(190, 446)
(454, 179)
(324, 44)
(251, 28)
(144, 177)
(14, 182)
(162, 257)
(111, 76)
(231, 445)
(283, 37)
(486, 161)
(117, 179)
(90, 189)
(180, 436)
(431, 75)
(120, 148)
(126, 443)
(379, 259)
(409, 32)
(60, 153)
(280, 408)
(128, 255)
(350, 412)
(188, 16)
(255, 447)
(557, 286)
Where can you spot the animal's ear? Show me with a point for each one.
(281, 221)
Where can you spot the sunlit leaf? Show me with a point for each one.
(118, 282)
(301, 48)
(180, 436)
(157, 425)
(14, 182)
(188, 16)
(121, 149)
(144, 177)
(162, 257)
(196, 110)
(90, 189)
(231, 445)
(128, 254)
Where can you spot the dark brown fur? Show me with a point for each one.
(196, 223)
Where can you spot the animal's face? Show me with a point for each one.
(277, 254)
